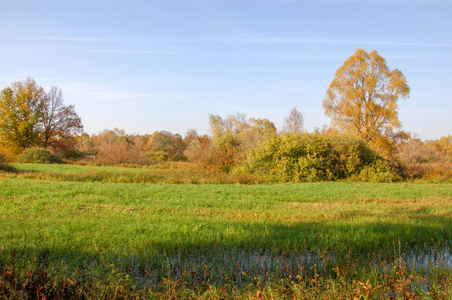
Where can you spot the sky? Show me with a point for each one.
(145, 66)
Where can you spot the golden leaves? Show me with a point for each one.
(362, 98)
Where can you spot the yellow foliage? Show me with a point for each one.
(29, 116)
(295, 157)
(445, 145)
(6, 155)
(19, 115)
(362, 99)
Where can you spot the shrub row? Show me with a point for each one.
(286, 158)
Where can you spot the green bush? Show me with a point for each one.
(72, 154)
(38, 156)
(377, 171)
(316, 157)
(220, 155)
(179, 157)
(158, 156)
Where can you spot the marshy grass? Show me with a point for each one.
(177, 173)
(331, 240)
(224, 275)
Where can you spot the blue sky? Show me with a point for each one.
(155, 65)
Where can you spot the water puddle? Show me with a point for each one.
(246, 266)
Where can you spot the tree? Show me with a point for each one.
(444, 145)
(114, 147)
(362, 99)
(233, 124)
(57, 120)
(85, 144)
(232, 138)
(164, 145)
(20, 107)
(31, 117)
(250, 132)
(197, 150)
(190, 136)
(238, 123)
(294, 122)
(259, 130)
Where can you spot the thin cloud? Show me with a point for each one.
(311, 41)
(170, 53)
(234, 40)
(339, 1)
(423, 57)
(73, 39)
(210, 54)
(136, 52)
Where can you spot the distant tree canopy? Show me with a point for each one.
(30, 116)
(294, 122)
(364, 141)
(164, 145)
(233, 137)
(113, 147)
(362, 99)
(238, 124)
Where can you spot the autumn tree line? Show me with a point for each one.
(363, 142)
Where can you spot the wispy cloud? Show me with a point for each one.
(73, 39)
(287, 40)
(210, 54)
(340, 1)
(107, 51)
(309, 41)
(170, 53)
(421, 57)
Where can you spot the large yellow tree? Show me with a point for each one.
(19, 115)
(362, 99)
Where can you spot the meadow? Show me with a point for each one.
(103, 232)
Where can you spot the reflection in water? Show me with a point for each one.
(240, 266)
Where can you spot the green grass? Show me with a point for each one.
(358, 215)
(172, 173)
(235, 233)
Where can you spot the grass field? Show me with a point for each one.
(99, 239)
(172, 173)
